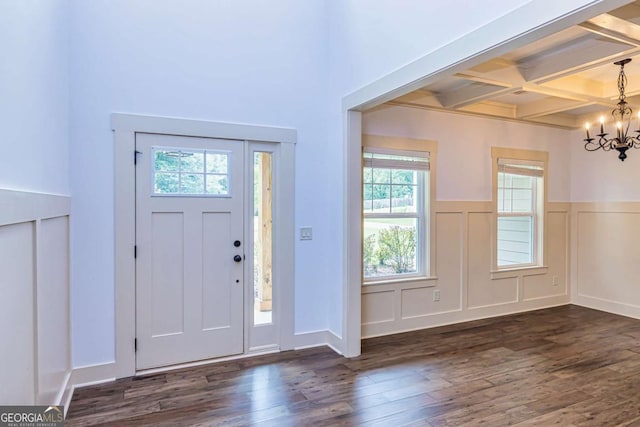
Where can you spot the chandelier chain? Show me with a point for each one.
(622, 82)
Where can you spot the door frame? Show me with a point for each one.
(125, 127)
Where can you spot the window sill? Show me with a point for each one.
(530, 270)
(404, 280)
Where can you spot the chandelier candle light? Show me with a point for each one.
(622, 118)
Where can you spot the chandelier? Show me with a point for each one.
(622, 118)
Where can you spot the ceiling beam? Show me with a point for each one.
(497, 70)
(579, 58)
(496, 110)
(547, 106)
(481, 78)
(472, 94)
(420, 97)
(491, 108)
(610, 34)
(563, 120)
(568, 95)
(614, 28)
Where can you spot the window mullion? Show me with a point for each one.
(390, 215)
(515, 214)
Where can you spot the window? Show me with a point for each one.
(520, 208)
(262, 237)
(395, 206)
(190, 172)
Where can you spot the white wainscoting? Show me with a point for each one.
(468, 289)
(34, 308)
(606, 256)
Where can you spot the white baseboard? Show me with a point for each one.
(318, 338)
(435, 320)
(96, 374)
(93, 374)
(614, 307)
(309, 339)
(334, 342)
(66, 393)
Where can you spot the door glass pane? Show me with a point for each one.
(217, 162)
(166, 183)
(190, 172)
(262, 238)
(167, 160)
(217, 184)
(192, 183)
(192, 162)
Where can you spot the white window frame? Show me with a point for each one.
(425, 264)
(526, 158)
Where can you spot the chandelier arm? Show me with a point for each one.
(602, 144)
(588, 143)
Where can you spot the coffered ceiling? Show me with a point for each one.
(564, 80)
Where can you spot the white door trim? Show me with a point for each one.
(125, 127)
(469, 50)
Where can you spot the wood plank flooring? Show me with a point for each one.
(566, 366)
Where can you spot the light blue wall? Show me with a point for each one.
(237, 61)
(281, 63)
(34, 95)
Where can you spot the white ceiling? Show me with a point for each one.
(564, 80)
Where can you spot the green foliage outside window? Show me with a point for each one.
(397, 246)
(393, 247)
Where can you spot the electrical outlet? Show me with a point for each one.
(554, 280)
(306, 233)
(436, 294)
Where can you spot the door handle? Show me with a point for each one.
(237, 258)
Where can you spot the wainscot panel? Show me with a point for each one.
(34, 260)
(463, 285)
(606, 260)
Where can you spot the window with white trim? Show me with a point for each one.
(520, 212)
(395, 213)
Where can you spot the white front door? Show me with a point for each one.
(190, 249)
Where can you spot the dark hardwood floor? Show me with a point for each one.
(566, 366)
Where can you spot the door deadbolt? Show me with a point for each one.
(237, 243)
